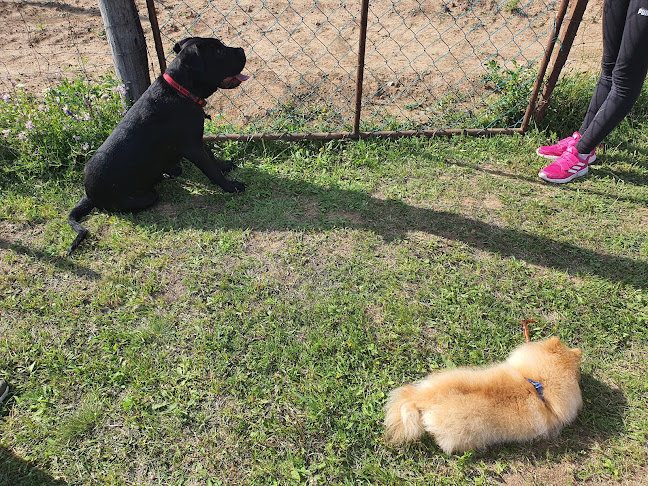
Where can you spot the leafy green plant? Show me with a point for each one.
(512, 7)
(55, 134)
(514, 87)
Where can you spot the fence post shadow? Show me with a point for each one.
(507, 242)
(15, 471)
(59, 262)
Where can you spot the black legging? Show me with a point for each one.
(623, 70)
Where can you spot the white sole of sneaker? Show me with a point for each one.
(550, 157)
(581, 172)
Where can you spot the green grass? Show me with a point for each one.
(253, 338)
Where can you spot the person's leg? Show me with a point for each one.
(626, 81)
(628, 76)
(614, 20)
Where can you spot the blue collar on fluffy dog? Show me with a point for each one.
(539, 388)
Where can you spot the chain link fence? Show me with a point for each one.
(46, 41)
(428, 65)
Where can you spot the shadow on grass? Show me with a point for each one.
(58, 261)
(601, 418)
(595, 171)
(15, 471)
(272, 203)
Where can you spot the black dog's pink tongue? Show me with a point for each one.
(242, 77)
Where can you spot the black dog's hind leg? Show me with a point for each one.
(126, 204)
(83, 208)
(173, 172)
(137, 202)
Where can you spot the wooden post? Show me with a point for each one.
(127, 44)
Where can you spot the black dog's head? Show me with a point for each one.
(207, 64)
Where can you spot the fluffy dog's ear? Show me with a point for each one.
(577, 352)
(177, 48)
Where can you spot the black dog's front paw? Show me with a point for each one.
(225, 165)
(234, 186)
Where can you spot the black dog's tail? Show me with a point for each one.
(83, 208)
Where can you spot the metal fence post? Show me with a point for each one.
(543, 67)
(362, 44)
(157, 39)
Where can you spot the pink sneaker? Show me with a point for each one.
(554, 151)
(568, 166)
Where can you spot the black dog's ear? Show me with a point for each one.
(182, 44)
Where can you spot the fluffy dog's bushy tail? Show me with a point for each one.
(83, 208)
(402, 416)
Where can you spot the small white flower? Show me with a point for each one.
(29, 125)
(121, 89)
(22, 136)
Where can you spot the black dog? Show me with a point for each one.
(165, 124)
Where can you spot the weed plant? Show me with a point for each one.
(54, 135)
(513, 85)
(570, 101)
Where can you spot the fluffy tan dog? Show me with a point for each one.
(532, 394)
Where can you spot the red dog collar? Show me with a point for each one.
(183, 91)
